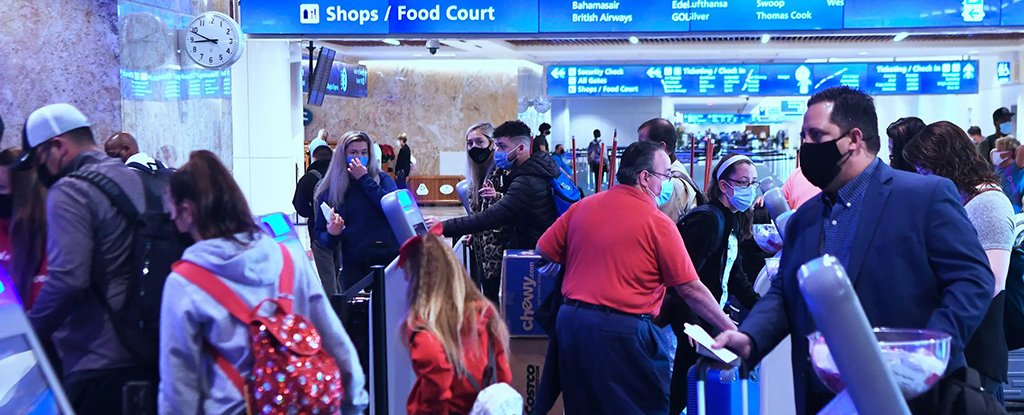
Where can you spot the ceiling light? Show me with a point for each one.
(765, 38)
(900, 36)
(634, 40)
(392, 42)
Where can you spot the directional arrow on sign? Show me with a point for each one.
(654, 72)
(969, 71)
(558, 73)
(973, 12)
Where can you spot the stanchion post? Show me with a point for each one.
(707, 163)
(380, 347)
(693, 154)
(574, 161)
(600, 169)
(614, 160)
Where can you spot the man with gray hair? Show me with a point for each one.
(527, 208)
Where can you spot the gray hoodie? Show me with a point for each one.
(190, 381)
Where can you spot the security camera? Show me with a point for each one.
(433, 45)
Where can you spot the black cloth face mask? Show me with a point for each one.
(822, 162)
(479, 155)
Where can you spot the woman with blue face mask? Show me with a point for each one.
(712, 233)
(352, 188)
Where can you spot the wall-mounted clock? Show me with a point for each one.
(214, 40)
(146, 42)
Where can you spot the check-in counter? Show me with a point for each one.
(435, 189)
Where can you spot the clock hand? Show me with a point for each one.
(206, 41)
(204, 37)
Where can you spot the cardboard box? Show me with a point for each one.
(522, 291)
(527, 361)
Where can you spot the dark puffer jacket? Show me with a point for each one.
(526, 210)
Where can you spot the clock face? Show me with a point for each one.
(213, 40)
(146, 42)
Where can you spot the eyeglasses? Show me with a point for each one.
(742, 184)
(665, 175)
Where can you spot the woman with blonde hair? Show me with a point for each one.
(487, 184)
(353, 187)
(457, 342)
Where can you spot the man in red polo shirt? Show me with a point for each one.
(620, 253)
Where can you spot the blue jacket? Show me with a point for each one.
(915, 263)
(365, 222)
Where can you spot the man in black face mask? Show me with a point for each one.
(88, 252)
(904, 239)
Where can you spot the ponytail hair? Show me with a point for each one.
(221, 210)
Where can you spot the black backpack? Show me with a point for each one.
(155, 247)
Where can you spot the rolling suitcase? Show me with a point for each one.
(718, 389)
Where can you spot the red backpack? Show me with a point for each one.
(292, 373)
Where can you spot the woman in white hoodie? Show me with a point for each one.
(207, 204)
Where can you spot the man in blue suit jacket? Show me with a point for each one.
(912, 255)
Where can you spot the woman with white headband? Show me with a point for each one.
(712, 233)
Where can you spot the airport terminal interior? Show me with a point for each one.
(302, 101)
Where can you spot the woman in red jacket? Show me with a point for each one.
(448, 340)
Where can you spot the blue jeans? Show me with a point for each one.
(611, 363)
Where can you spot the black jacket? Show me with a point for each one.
(706, 240)
(526, 209)
(404, 161)
(303, 198)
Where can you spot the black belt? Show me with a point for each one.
(604, 309)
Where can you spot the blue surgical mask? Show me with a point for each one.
(502, 160)
(1006, 128)
(362, 159)
(743, 197)
(666, 192)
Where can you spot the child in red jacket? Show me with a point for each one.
(449, 329)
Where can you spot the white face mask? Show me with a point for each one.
(997, 158)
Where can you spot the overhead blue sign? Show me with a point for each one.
(493, 17)
(1012, 13)
(717, 119)
(1004, 73)
(345, 80)
(613, 16)
(774, 15)
(897, 78)
(873, 14)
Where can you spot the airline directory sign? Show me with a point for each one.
(889, 78)
(501, 17)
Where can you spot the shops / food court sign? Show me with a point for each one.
(373, 18)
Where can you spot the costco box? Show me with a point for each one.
(527, 361)
(522, 291)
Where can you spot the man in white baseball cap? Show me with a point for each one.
(89, 254)
(61, 121)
